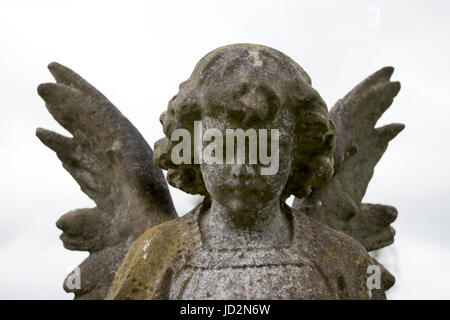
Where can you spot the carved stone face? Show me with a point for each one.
(242, 187)
(249, 84)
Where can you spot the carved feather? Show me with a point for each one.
(113, 165)
(359, 147)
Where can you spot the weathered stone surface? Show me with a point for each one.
(242, 241)
(359, 147)
(112, 163)
(172, 261)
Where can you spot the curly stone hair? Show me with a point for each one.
(249, 83)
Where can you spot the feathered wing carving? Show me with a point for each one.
(359, 147)
(113, 165)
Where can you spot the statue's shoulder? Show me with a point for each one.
(335, 241)
(343, 261)
(147, 267)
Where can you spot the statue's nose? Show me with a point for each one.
(243, 171)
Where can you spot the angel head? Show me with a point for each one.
(255, 87)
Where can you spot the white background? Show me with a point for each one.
(137, 52)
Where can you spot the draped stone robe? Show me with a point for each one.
(171, 261)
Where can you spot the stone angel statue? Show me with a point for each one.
(243, 241)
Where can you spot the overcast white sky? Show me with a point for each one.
(137, 53)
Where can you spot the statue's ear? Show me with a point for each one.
(330, 136)
(161, 156)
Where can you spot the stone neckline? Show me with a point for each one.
(201, 244)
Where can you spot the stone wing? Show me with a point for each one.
(113, 165)
(359, 147)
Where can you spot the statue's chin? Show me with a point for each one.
(239, 206)
(242, 204)
(242, 198)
